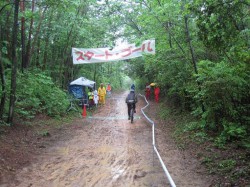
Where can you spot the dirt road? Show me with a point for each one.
(109, 151)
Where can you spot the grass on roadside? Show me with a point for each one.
(229, 163)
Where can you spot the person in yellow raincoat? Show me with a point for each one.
(102, 94)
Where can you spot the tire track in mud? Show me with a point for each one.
(105, 152)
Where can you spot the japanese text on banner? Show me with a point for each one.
(82, 56)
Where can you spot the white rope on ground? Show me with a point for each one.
(155, 149)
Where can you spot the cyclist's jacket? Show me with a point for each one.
(131, 98)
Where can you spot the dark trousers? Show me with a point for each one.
(91, 102)
(130, 107)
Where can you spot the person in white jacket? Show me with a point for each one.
(96, 98)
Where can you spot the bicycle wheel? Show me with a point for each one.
(132, 115)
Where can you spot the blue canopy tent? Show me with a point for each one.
(77, 91)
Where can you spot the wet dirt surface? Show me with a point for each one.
(110, 151)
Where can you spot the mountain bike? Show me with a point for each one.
(131, 112)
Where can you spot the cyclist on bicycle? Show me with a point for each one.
(131, 101)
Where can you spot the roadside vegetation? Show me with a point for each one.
(227, 162)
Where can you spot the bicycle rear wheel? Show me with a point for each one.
(132, 115)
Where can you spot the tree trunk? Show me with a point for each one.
(69, 43)
(169, 36)
(27, 55)
(3, 98)
(37, 57)
(190, 45)
(46, 47)
(67, 72)
(192, 55)
(37, 34)
(22, 8)
(7, 31)
(14, 64)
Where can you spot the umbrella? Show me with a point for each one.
(152, 84)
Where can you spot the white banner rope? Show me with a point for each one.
(155, 149)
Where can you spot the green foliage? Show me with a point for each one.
(233, 130)
(44, 133)
(193, 125)
(207, 160)
(164, 113)
(225, 94)
(221, 23)
(226, 165)
(220, 141)
(36, 93)
(3, 124)
(245, 143)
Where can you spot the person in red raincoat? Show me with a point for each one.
(109, 90)
(157, 93)
(147, 90)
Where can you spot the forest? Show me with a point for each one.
(202, 60)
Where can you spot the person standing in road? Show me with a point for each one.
(157, 93)
(96, 98)
(109, 90)
(102, 94)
